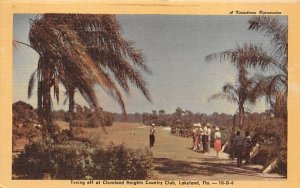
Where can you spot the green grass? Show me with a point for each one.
(173, 156)
(62, 124)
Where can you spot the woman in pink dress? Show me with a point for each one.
(217, 143)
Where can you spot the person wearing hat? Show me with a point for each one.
(152, 135)
(208, 133)
(217, 142)
(195, 139)
(204, 139)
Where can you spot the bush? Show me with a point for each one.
(118, 162)
(272, 140)
(281, 166)
(62, 137)
(82, 162)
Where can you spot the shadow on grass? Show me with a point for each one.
(206, 166)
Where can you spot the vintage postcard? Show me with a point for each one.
(149, 94)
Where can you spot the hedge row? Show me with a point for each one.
(71, 161)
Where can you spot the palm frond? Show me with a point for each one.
(66, 100)
(77, 48)
(31, 83)
(223, 96)
(56, 90)
(229, 88)
(271, 26)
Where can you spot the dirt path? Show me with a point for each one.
(175, 160)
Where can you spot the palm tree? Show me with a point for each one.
(62, 59)
(240, 94)
(276, 85)
(273, 86)
(108, 49)
(75, 50)
(244, 91)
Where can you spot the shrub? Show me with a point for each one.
(70, 161)
(272, 140)
(281, 166)
(118, 162)
(62, 136)
(29, 132)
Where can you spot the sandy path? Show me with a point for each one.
(175, 160)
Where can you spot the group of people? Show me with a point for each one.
(241, 147)
(203, 137)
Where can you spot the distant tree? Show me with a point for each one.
(154, 112)
(161, 112)
(24, 114)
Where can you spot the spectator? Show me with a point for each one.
(239, 147)
(231, 144)
(248, 147)
(208, 133)
(204, 139)
(217, 141)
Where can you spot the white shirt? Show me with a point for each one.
(217, 134)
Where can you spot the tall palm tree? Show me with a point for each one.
(108, 49)
(273, 86)
(84, 49)
(62, 58)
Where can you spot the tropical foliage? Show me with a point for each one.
(272, 83)
(273, 86)
(80, 51)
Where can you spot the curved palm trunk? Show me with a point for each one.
(71, 94)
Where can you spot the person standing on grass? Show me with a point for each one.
(195, 138)
(231, 143)
(152, 135)
(200, 138)
(248, 147)
(208, 133)
(204, 139)
(239, 147)
(217, 141)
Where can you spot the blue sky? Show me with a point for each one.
(175, 47)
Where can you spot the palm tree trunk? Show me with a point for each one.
(241, 114)
(47, 115)
(44, 103)
(71, 108)
(41, 111)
